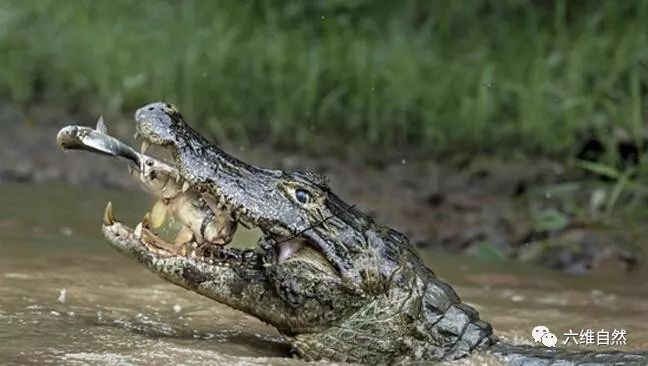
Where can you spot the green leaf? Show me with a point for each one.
(551, 220)
(600, 169)
(618, 188)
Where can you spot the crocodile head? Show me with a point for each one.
(290, 208)
(339, 285)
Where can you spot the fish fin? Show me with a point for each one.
(101, 125)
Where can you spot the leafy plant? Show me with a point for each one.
(623, 182)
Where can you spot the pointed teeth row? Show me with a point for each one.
(108, 218)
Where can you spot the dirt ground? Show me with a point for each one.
(532, 210)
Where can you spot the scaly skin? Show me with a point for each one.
(338, 285)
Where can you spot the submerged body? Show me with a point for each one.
(338, 285)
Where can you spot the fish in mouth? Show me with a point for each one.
(207, 224)
(212, 193)
(201, 224)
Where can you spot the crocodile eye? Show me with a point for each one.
(302, 195)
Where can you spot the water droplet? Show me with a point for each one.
(403, 161)
(177, 308)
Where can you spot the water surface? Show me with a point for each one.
(66, 297)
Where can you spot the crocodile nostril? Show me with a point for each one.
(150, 108)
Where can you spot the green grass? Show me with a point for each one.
(470, 76)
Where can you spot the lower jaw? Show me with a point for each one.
(209, 253)
(146, 239)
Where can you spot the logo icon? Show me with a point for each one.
(549, 340)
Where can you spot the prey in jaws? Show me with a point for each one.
(202, 223)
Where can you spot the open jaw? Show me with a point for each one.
(207, 225)
(142, 242)
(145, 245)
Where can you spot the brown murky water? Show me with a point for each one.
(67, 298)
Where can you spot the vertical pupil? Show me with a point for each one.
(302, 195)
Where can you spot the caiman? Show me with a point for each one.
(336, 283)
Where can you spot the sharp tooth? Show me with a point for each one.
(158, 214)
(145, 146)
(193, 254)
(185, 186)
(108, 218)
(138, 231)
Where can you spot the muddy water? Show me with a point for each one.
(68, 298)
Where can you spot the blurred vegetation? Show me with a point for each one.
(444, 76)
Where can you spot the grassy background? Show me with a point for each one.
(441, 77)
